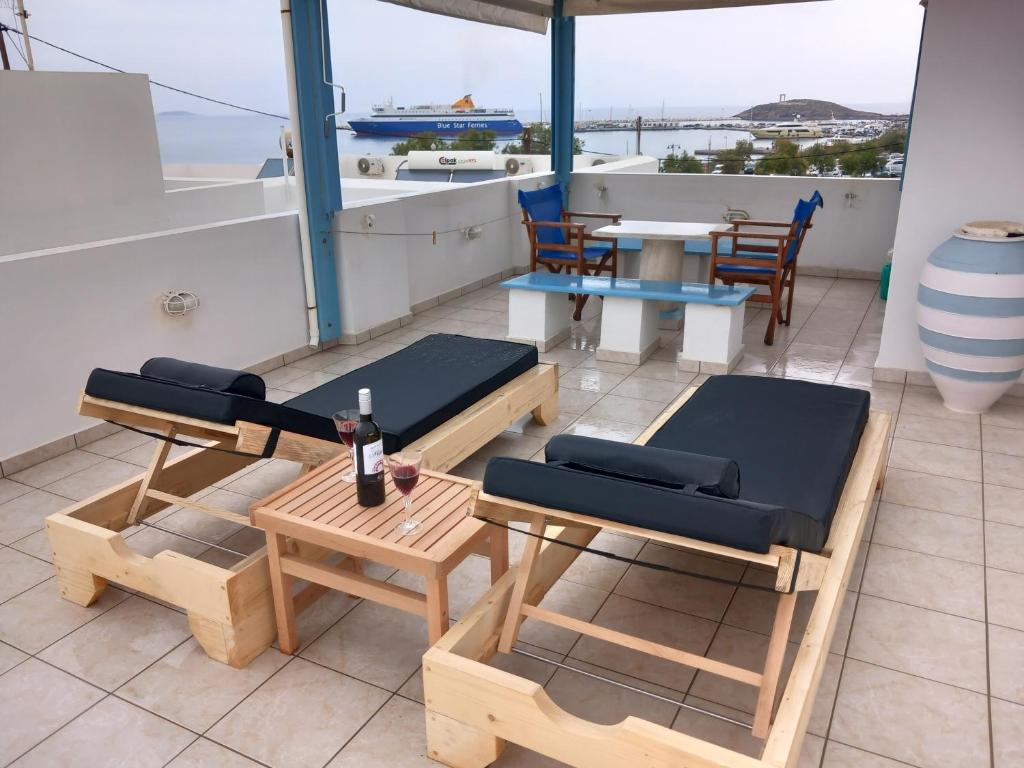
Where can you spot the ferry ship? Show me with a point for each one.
(789, 131)
(462, 116)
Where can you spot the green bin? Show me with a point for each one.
(883, 286)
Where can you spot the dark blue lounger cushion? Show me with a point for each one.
(794, 443)
(656, 466)
(414, 390)
(205, 377)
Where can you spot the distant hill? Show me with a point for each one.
(174, 113)
(807, 109)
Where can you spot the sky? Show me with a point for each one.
(855, 52)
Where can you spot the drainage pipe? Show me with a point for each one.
(312, 318)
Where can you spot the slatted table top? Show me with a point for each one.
(320, 507)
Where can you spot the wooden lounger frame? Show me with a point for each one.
(230, 610)
(473, 709)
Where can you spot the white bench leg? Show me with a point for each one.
(712, 338)
(629, 330)
(538, 318)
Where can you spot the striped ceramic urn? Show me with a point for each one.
(970, 312)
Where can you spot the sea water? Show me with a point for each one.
(193, 138)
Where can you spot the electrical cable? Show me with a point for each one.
(432, 233)
(159, 84)
(10, 36)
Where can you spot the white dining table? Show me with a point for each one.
(662, 258)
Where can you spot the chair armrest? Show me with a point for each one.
(573, 229)
(587, 215)
(750, 236)
(758, 223)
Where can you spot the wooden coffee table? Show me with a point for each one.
(318, 515)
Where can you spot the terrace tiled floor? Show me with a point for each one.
(926, 670)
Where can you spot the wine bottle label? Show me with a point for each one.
(373, 458)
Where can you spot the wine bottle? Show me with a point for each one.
(369, 445)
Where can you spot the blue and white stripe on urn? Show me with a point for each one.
(970, 314)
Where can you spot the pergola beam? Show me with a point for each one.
(316, 161)
(563, 88)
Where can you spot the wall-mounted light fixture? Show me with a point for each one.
(178, 303)
(472, 233)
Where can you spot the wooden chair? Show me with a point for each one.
(771, 262)
(559, 243)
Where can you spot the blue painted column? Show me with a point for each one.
(319, 143)
(563, 86)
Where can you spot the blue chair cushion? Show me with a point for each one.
(544, 205)
(590, 253)
(743, 268)
(631, 244)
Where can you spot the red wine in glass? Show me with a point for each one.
(405, 471)
(346, 429)
(406, 476)
(345, 422)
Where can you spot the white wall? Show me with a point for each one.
(68, 310)
(81, 158)
(221, 171)
(209, 203)
(966, 156)
(85, 165)
(387, 270)
(852, 235)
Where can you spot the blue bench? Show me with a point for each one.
(712, 335)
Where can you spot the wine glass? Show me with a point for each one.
(346, 421)
(405, 471)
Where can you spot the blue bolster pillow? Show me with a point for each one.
(655, 466)
(205, 377)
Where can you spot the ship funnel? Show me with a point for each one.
(466, 102)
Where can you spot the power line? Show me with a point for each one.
(10, 36)
(159, 84)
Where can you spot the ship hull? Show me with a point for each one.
(439, 126)
(786, 133)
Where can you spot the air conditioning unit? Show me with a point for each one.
(370, 166)
(422, 160)
(514, 165)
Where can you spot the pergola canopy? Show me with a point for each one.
(533, 15)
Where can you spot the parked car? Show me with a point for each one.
(894, 167)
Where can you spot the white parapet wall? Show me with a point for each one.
(966, 155)
(850, 237)
(398, 255)
(68, 310)
(84, 164)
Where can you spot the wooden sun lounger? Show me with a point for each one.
(473, 709)
(230, 610)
